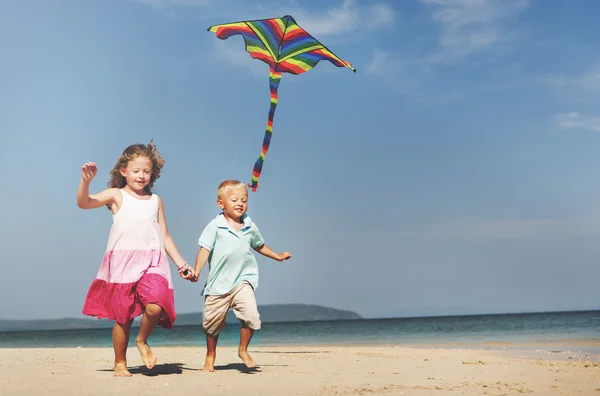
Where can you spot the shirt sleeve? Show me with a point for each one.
(257, 238)
(208, 237)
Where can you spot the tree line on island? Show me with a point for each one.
(268, 314)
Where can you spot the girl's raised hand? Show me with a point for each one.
(88, 171)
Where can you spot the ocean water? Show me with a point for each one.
(491, 330)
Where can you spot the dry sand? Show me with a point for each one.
(297, 370)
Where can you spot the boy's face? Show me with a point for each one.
(234, 202)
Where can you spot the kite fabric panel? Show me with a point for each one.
(285, 47)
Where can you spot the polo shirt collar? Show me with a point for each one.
(222, 222)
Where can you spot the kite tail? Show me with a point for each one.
(274, 79)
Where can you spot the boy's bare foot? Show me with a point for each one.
(147, 355)
(209, 364)
(121, 370)
(247, 359)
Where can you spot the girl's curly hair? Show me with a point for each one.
(132, 152)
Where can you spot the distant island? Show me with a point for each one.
(268, 314)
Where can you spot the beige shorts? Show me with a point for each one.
(243, 302)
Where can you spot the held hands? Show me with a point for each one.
(88, 171)
(186, 272)
(194, 278)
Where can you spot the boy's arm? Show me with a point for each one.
(258, 244)
(207, 244)
(201, 259)
(267, 252)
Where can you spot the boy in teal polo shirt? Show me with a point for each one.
(232, 270)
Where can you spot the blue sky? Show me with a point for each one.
(455, 172)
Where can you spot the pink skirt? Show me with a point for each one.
(124, 301)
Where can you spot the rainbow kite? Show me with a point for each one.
(285, 47)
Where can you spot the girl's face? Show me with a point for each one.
(137, 174)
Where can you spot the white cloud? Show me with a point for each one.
(407, 76)
(175, 3)
(579, 121)
(506, 229)
(380, 15)
(233, 51)
(474, 26)
(382, 64)
(512, 229)
(587, 81)
(591, 79)
(386, 66)
(346, 18)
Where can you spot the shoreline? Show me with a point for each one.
(589, 344)
(574, 351)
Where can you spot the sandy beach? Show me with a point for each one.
(299, 370)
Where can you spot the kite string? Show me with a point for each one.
(235, 157)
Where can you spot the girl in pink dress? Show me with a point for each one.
(134, 277)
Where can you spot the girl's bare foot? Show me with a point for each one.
(209, 363)
(147, 355)
(247, 359)
(121, 370)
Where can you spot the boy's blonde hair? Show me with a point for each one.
(227, 184)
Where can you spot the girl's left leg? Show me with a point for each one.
(120, 338)
(149, 321)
